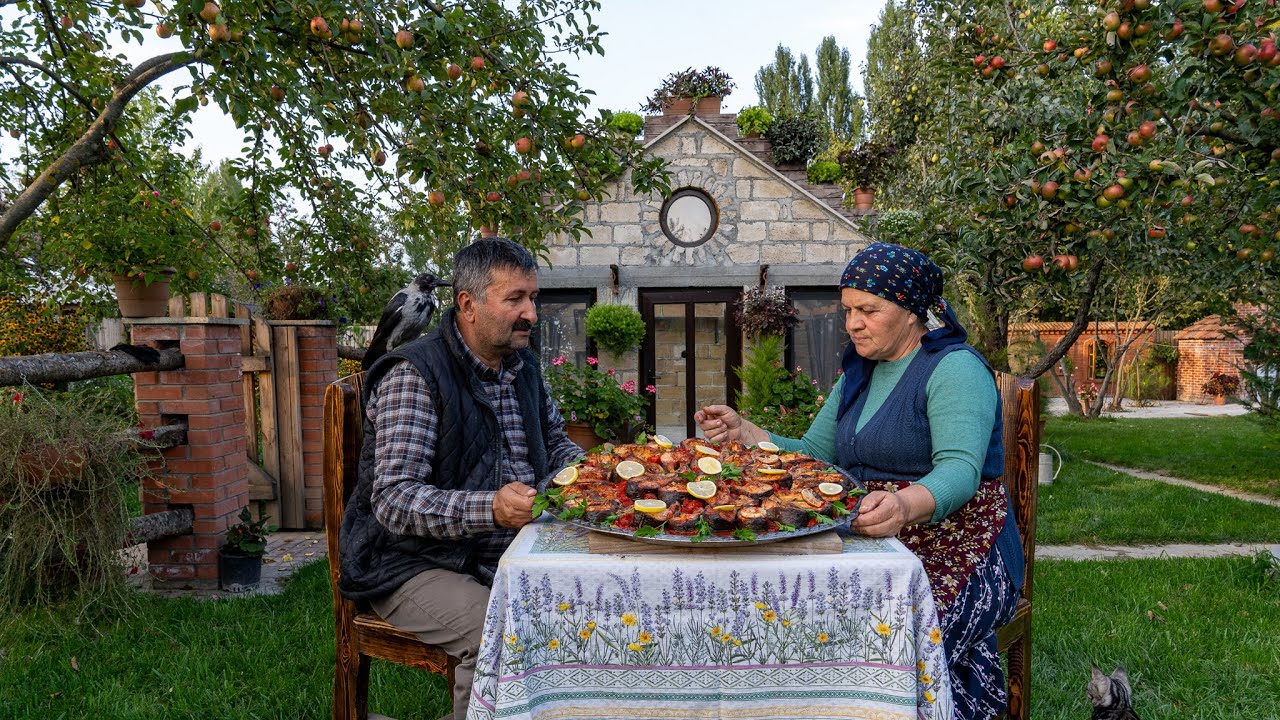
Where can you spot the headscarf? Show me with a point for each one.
(906, 278)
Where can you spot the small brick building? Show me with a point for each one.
(1204, 348)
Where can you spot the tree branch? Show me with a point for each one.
(1077, 326)
(70, 89)
(64, 367)
(88, 149)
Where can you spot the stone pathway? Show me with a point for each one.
(287, 552)
(1159, 409)
(1170, 480)
(1147, 552)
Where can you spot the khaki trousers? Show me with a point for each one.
(447, 609)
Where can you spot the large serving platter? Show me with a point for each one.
(851, 503)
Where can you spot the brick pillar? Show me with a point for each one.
(208, 474)
(318, 367)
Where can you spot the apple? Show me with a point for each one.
(1244, 253)
(324, 150)
(215, 226)
(1267, 51)
(1267, 255)
(477, 63)
(435, 198)
(1134, 138)
(1221, 44)
(525, 175)
(404, 39)
(1140, 73)
(1156, 233)
(1103, 67)
(219, 33)
(1249, 229)
(493, 196)
(1125, 31)
(209, 12)
(524, 146)
(1213, 6)
(1050, 46)
(1100, 143)
(379, 158)
(1175, 30)
(512, 181)
(1115, 95)
(1061, 262)
(577, 142)
(415, 84)
(1246, 54)
(277, 93)
(1147, 129)
(1032, 263)
(1111, 21)
(164, 30)
(1049, 190)
(979, 60)
(320, 28)
(988, 71)
(135, 4)
(1113, 192)
(1037, 147)
(997, 62)
(519, 98)
(66, 22)
(1141, 4)
(453, 71)
(1082, 174)
(1043, 70)
(1142, 29)
(583, 195)
(251, 274)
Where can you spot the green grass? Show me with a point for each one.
(1232, 452)
(1089, 504)
(1208, 654)
(269, 657)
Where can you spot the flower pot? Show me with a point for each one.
(677, 106)
(708, 106)
(238, 572)
(583, 434)
(487, 231)
(48, 466)
(752, 135)
(1219, 399)
(139, 300)
(863, 198)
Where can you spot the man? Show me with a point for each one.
(461, 427)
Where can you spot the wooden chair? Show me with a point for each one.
(1021, 410)
(360, 635)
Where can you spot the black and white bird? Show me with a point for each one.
(404, 318)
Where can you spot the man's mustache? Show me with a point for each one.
(522, 325)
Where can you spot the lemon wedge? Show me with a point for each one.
(628, 469)
(709, 466)
(663, 442)
(704, 450)
(567, 476)
(767, 446)
(771, 471)
(703, 489)
(649, 507)
(830, 489)
(722, 508)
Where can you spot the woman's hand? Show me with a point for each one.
(721, 423)
(883, 514)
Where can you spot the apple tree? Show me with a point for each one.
(1073, 147)
(437, 119)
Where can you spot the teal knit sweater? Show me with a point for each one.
(962, 406)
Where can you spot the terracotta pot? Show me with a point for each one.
(677, 106)
(487, 232)
(752, 135)
(863, 198)
(582, 434)
(49, 466)
(139, 300)
(708, 106)
(1219, 399)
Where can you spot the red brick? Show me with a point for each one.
(151, 333)
(149, 377)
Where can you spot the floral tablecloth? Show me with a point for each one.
(761, 635)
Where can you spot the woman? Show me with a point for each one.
(916, 416)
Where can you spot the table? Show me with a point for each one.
(761, 635)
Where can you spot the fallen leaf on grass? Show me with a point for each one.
(75, 665)
(309, 554)
(1162, 606)
(1154, 616)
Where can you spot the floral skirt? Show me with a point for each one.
(987, 601)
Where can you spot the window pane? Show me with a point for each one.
(819, 340)
(562, 326)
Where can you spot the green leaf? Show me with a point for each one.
(744, 534)
(783, 527)
(822, 519)
(704, 531)
(186, 104)
(648, 531)
(839, 508)
(540, 504)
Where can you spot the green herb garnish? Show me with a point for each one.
(783, 527)
(729, 471)
(744, 534)
(704, 531)
(690, 476)
(540, 503)
(648, 531)
(823, 519)
(839, 508)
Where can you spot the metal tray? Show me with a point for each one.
(760, 539)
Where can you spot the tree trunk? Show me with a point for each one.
(64, 367)
(1077, 326)
(351, 352)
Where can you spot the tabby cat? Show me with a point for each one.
(1111, 695)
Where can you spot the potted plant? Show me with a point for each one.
(595, 406)
(765, 312)
(616, 328)
(754, 121)
(625, 123)
(796, 139)
(690, 90)
(865, 167)
(1220, 385)
(240, 557)
(294, 302)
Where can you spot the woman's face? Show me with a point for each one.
(879, 329)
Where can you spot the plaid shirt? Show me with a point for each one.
(406, 501)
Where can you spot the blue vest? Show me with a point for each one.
(895, 444)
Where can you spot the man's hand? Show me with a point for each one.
(513, 505)
(721, 423)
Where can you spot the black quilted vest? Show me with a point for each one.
(376, 561)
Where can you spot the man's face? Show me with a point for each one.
(503, 320)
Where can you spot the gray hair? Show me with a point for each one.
(474, 264)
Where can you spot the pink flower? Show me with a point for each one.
(612, 371)
(815, 383)
(650, 389)
(629, 387)
(155, 193)
(573, 417)
(558, 361)
(799, 369)
(592, 361)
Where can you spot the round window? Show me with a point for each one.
(689, 217)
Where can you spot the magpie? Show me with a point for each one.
(404, 318)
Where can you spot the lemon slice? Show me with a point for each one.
(704, 450)
(663, 442)
(628, 469)
(767, 446)
(722, 508)
(830, 489)
(567, 476)
(709, 466)
(771, 471)
(650, 507)
(703, 489)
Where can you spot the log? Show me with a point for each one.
(157, 526)
(164, 436)
(351, 352)
(64, 367)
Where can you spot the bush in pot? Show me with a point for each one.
(624, 122)
(240, 557)
(754, 121)
(615, 328)
(586, 394)
(692, 84)
(796, 139)
(867, 165)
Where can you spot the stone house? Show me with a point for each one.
(733, 221)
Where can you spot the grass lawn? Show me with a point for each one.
(1231, 452)
(1210, 652)
(1089, 504)
(1206, 651)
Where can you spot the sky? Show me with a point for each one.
(649, 39)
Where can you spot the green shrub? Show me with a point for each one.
(764, 312)
(796, 139)
(625, 122)
(616, 328)
(754, 119)
(822, 172)
(898, 226)
(773, 397)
